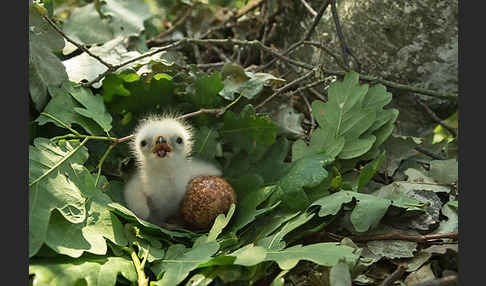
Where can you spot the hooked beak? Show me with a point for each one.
(161, 148)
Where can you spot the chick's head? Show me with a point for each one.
(160, 138)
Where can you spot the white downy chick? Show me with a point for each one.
(162, 147)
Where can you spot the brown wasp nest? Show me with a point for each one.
(206, 197)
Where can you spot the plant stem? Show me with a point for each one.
(142, 279)
(60, 122)
(100, 163)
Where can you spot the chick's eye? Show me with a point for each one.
(179, 140)
(143, 143)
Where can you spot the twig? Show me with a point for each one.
(344, 47)
(176, 25)
(317, 18)
(317, 94)
(328, 51)
(116, 67)
(444, 281)
(428, 153)
(436, 118)
(307, 36)
(309, 109)
(210, 65)
(79, 46)
(397, 274)
(231, 41)
(309, 86)
(401, 236)
(433, 93)
(285, 87)
(309, 8)
(241, 13)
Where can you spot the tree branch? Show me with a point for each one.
(285, 87)
(436, 118)
(433, 93)
(307, 36)
(79, 46)
(401, 236)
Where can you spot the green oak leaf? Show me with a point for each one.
(62, 106)
(73, 239)
(248, 210)
(206, 143)
(306, 172)
(45, 68)
(275, 241)
(351, 123)
(367, 213)
(91, 270)
(248, 131)
(94, 106)
(369, 170)
(179, 261)
(56, 191)
(206, 89)
(326, 254)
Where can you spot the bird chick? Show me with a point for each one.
(162, 147)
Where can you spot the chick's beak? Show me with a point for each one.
(161, 148)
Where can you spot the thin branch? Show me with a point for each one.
(401, 236)
(285, 87)
(424, 91)
(231, 41)
(79, 46)
(328, 51)
(436, 118)
(309, 8)
(317, 18)
(176, 25)
(309, 86)
(210, 65)
(397, 274)
(311, 115)
(339, 31)
(307, 36)
(428, 153)
(241, 13)
(116, 67)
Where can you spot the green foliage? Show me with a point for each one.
(90, 270)
(80, 229)
(351, 123)
(45, 68)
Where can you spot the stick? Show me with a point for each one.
(395, 275)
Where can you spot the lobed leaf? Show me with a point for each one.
(367, 213)
(45, 68)
(92, 271)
